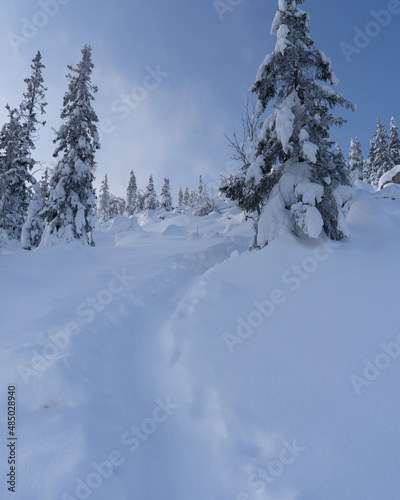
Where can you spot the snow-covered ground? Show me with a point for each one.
(170, 363)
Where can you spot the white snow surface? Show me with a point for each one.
(174, 364)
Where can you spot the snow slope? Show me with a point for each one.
(186, 367)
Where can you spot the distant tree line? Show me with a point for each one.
(138, 201)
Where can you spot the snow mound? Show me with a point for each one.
(388, 191)
(174, 230)
(392, 176)
(122, 224)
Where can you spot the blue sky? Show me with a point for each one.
(204, 66)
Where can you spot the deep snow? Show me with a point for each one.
(186, 367)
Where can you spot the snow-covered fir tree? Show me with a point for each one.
(339, 159)
(131, 195)
(206, 203)
(140, 199)
(200, 189)
(379, 156)
(15, 165)
(294, 177)
(366, 170)
(180, 197)
(166, 197)
(192, 196)
(394, 143)
(33, 104)
(71, 210)
(150, 197)
(117, 206)
(356, 160)
(45, 186)
(201, 199)
(17, 142)
(32, 230)
(186, 197)
(104, 210)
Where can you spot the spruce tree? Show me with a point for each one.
(45, 186)
(70, 214)
(121, 205)
(379, 155)
(166, 198)
(205, 203)
(16, 144)
(150, 197)
(366, 169)
(180, 197)
(15, 164)
(339, 159)
(34, 102)
(186, 197)
(131, 195)
(200, 189)
(294, 176)
(105, 211)
(394, 144)
(140, 199)
(32, 230)
(116, 207)
(356, 160)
